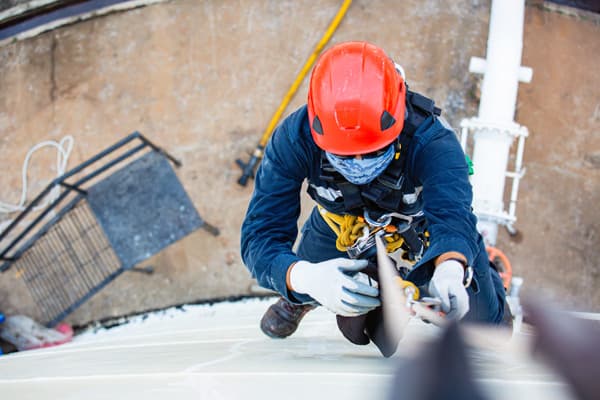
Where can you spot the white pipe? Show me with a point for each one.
(503, 62)
(502, 73)
(490, 158)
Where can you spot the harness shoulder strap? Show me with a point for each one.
(419, 109)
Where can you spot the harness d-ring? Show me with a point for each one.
(382, 221)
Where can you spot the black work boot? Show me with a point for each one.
(283, 317)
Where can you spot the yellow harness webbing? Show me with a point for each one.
(349, 228)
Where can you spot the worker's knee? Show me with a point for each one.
(486, 294)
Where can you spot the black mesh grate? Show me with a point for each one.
(104, 222)
(68, 264)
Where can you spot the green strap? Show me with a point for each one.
(470, 164)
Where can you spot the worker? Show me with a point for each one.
(379, 154)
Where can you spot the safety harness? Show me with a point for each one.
(391, 202)
(349, 228)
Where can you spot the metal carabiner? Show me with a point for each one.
(383, 221)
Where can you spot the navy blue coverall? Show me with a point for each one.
(435, 162)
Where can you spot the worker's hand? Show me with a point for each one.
(447, 284)
(335, 284)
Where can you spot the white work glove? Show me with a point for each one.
(341, 293)
(447, 284)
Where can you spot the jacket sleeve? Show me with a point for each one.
(438, 164)
(270, 228)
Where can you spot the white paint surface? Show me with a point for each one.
(218, 352)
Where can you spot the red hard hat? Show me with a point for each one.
(356, 99)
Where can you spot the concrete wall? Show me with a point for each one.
(202, 78)
(558, 207)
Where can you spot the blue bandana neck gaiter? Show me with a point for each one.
(361, 172)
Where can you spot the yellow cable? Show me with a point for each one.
(300, 77)
(348, 228)
(335, 227)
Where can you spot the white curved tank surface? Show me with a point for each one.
(218, 352)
